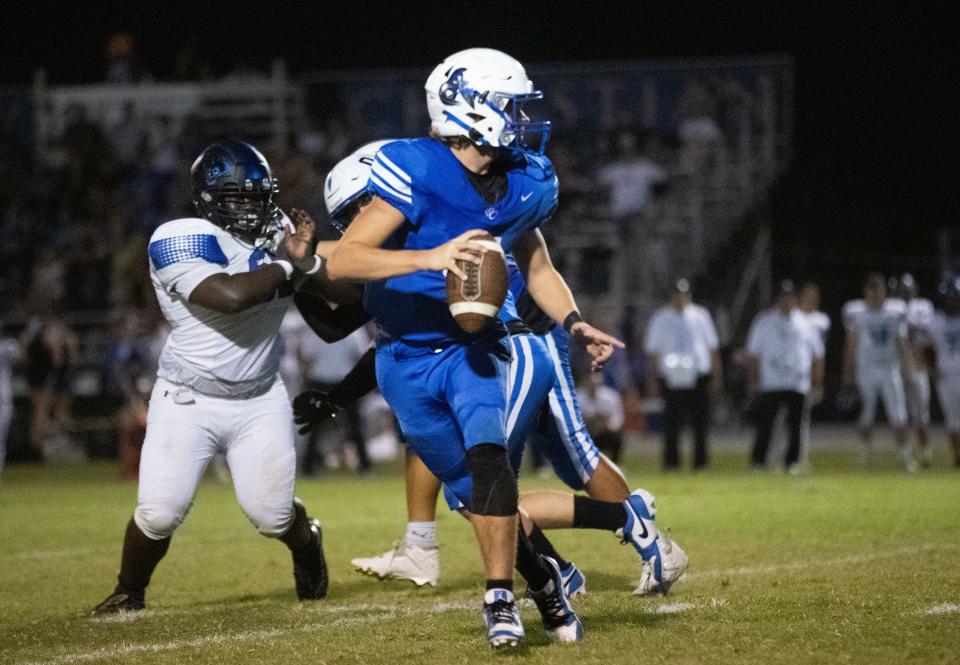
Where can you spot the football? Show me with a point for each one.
(476, 301)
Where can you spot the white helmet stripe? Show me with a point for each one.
(388, 177)
(402, 197)
(400, 173)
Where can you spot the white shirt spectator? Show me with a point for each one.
(786, 346)
(630, 183)
(605, 403)
(682, 341)
(699, 129)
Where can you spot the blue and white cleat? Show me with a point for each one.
(560, 622)
(665, 568)
(640, 531)
(574, 582)
(502, 619)
(664, 562)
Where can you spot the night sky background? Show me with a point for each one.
(873, 179)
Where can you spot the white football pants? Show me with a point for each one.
(185, 429)
(918, 398)
(882, 383)
(948, 387)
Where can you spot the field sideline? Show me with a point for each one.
(841, 566)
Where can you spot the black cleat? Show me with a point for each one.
(310, 567)
(120, 601)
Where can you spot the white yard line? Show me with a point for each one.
(814, 562)
(175, 645)
(942, 608)
(382, 613)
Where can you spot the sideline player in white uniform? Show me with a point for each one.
(223, 280)
(809, 305)
(944, 338)
(919, 315)
(876, 355)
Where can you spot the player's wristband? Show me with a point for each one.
(572, 318)
(286, 265)
(310, 266)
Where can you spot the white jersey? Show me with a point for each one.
(820, 322)
(919, 314)
(878, 331)
(9, 349)
(945, 338)
(217, 354)
(785, 347)
(850, 310)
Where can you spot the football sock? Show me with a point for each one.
(500, 584)
(591, 513)
(421, 534)
(906, 454)
(298, 536)
(541, 544)
(141, 555)
(529, 563)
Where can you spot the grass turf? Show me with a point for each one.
(840, 566)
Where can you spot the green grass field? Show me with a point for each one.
(840, 566)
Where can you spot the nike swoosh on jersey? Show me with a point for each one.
(524, 197)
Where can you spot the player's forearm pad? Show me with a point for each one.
(495, 492)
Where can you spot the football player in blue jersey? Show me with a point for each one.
(541, 366)
(482, 170)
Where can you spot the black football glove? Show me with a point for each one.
(310, 408)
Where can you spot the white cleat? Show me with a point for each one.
(669, 568)
(419, 565)
(502, 619)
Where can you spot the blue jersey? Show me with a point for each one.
(424, 180)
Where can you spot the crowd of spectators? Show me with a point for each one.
(75, 218)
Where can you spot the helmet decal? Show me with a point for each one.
(226, 170)
(482, 95)
(454, 85)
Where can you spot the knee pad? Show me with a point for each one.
(274, 523)
(157, 522)
(495, 491)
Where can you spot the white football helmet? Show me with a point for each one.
(347, 182)
(480, 94)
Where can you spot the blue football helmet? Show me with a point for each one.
(233, 186)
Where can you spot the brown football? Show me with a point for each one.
(476, 301)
